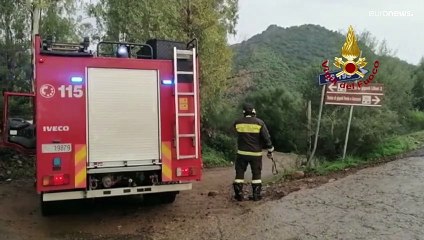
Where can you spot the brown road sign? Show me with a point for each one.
(363, 99)
(355, 94)
(356, 88)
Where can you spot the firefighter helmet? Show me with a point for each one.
(249, 109)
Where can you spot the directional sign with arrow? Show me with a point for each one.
(353, 99)
(368, 95)
(332, 87)
(375, 100)
(343, 78)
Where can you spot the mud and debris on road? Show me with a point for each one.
(382, 202)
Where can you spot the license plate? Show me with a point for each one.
(56, 148)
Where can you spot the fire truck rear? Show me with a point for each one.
(121, 121)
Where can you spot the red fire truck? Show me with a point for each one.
(123, 120)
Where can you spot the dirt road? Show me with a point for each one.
(384, 202)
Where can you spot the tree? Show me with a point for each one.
(57, 18)
(14, 45)
(207, 20)
(418, 89)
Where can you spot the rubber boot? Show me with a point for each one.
(238, 190)
(256, 191)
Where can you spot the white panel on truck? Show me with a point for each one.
(123, 117)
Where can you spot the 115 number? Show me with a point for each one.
(71, 91)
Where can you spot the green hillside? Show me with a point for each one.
(283, 55)
(278, 69)
(286, 52)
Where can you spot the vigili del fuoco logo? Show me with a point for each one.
(351, 65)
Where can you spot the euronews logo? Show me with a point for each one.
(390, 14)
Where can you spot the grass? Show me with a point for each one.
(214, 158)
(326, 167)
(398, 144)
(390, 147)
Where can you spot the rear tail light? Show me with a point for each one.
(185, 171)
(56, 180)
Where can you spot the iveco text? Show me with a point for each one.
(55, 128)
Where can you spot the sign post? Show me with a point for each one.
(350, 71)
(369, 95)
(347, 131)
(319, 122)
(348, 124)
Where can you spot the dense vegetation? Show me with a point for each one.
(276, 69)
(134, 21)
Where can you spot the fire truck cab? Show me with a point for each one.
(121, 121)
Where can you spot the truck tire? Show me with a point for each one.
(159, 198)
(47, 208)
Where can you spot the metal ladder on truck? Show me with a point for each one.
(178, 56)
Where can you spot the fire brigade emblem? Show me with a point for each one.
(47, 91)
(350, 51)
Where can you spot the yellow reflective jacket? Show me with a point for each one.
(253, 136)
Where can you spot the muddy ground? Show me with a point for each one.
(381, 202)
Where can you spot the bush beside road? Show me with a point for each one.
(391, 147)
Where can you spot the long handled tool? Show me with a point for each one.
(274, 166)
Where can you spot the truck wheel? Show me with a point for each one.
(47, 208)
(159, 198)
(168, 197)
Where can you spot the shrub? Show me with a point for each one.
(223, 143)
(213, 158)
(368, 128)
(285, 117)
(415, 120)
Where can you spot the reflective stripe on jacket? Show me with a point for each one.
(253, 136)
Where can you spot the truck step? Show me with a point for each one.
(187, 135)
(185, 94)
(187, 156)
(186, 114)
(184, 52)
(185, 72)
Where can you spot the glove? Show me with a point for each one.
(269, 154)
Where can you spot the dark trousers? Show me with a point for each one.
(255, 165)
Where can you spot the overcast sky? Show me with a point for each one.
(402, 33)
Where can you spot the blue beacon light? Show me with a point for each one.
(167, 82)
(76, 79)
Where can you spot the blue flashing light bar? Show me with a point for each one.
(76, 79)
(167, 82)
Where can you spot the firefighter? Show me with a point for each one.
(253, 136)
